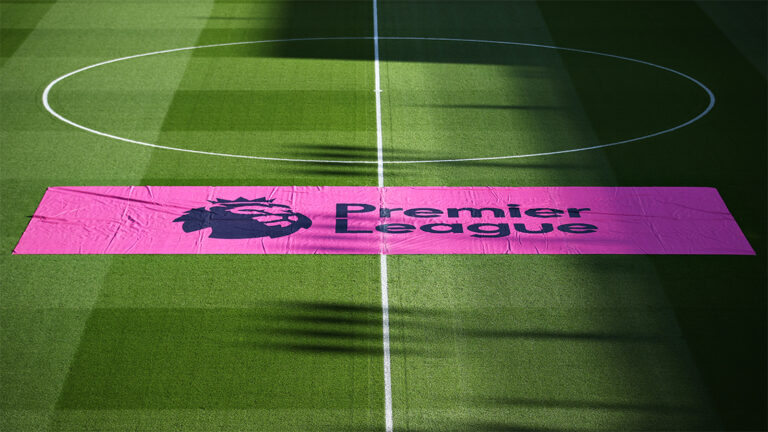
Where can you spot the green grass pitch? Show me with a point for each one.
(294, 343)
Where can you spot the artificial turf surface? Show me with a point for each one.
(247, 342)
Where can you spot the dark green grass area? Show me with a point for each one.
(11, 38)
(158, 358)
(531, 109)
(720, 301)
(234, 333)
(330, 120)
(17, 21)
(543, 342)
(277, 110)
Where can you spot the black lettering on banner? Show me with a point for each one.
(423, 212)
(545, 228)
(543, 212)
(577, 228)
(514, 211)
(501, 230)
(386, 212)
(343, 210)
(475, 213)
(576, 212)
(395, 228)
(342, 227)
(452, 228)
(481, 230)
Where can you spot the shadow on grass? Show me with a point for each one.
(349, 328)
(719, 301)
(478, 426)
(582, 404)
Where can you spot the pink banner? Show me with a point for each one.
(392, 220)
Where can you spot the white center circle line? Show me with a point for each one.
(53, 83)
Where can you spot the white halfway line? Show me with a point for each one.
(382, 256)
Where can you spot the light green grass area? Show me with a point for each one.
(294, 343)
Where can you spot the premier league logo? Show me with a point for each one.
(243, 218)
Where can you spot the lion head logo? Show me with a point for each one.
(244, 218)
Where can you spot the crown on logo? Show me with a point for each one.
(241, 200)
